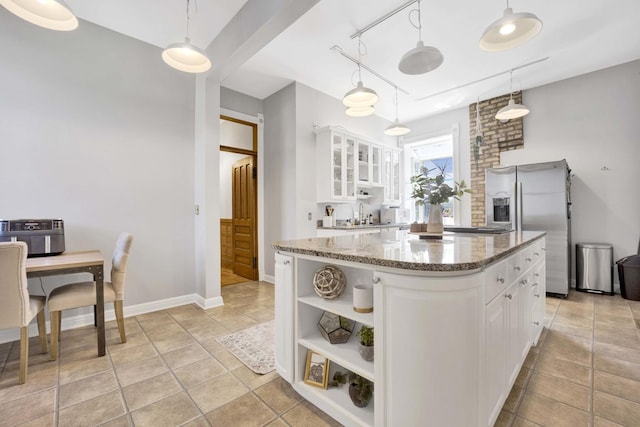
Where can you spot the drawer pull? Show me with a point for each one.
(508, 296)
(536, 323)
(537, 295)
(376, 280)
(523, 282)
(528, 259)
(536, 275)
(536, 253)
(500, 279)
(517, 268)
(286, 262)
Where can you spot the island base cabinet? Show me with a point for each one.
(283, 316)
(428, 349)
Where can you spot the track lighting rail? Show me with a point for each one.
(383, 18)
(339, 50)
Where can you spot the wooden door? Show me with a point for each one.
(244, 215)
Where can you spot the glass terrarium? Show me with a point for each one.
(335, 329)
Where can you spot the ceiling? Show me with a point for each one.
(577, 37)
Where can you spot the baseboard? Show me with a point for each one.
(109, 314)
(269, 278)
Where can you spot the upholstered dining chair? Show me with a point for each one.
(17, 307)
(83, 294)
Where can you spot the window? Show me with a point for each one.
(431, 154)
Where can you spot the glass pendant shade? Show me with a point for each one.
(397, 129)
(360, 96)
(512, 30)
(360, 111)
(421, 59)
(512, 111)
(51, 14)
(186, 57)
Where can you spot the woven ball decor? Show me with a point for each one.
(329, 282)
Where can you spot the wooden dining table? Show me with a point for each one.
(91, 262)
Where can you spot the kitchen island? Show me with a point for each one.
(454, 319)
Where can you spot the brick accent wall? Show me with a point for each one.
(498, 137)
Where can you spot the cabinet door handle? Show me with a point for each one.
(286, 262)
(523, 282)
(536, 275)
(537, 295)
(500, 279)
(517, 268)
(508, 296)
(536, 253)
(536, 323)
(528, 259)
(376, 280)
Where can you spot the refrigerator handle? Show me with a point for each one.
(519, 209)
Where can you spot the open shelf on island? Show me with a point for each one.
(346, 355)
(342, 306)
(336, 399)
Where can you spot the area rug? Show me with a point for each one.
(254, 347)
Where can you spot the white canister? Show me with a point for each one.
(363, 298)
(327, 221)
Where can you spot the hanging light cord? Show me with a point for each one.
(419, 26)
(395, 101)
(188, 15)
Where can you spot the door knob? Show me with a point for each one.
(508, 296)
(500, 279)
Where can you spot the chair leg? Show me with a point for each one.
(42, 331)
(95, 316)
(117, 305)
(24, 354)
(55, 333)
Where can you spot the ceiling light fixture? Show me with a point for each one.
(396, 129)
(51, 14)
(360, 96)
(512, 110)
(421, 59)
(510, 31)
(185, 56)
(360, 111)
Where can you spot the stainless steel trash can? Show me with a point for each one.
(594, 267)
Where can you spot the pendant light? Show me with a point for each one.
(360, 96)
(396, 129)
(185, 56)
(51, 14)
(512, 30)
(512, 110)
(360, 111)
(421, 59)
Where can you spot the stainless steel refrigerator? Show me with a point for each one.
(535, 197)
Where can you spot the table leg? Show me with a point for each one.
(98, 277)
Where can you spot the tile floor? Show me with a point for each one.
(171, 372)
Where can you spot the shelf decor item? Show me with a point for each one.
(335, 329)
(316, 372)
(360, 388)
(365, 335)
(329, 282)
(363, 298)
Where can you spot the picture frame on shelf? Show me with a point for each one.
(316, 372)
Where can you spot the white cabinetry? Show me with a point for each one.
(336, 171)
(369, 164)
(391, 176)
(283, 315)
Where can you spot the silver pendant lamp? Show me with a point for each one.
(361, 97)
(185, 56)
(397, 128)
(512, 30)
(421, 59)
(512, 110)
(51, 14)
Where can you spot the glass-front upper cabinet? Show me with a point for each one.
(391, 176)
(369, 164)
(376, 165)
(336, 166)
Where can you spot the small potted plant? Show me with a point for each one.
(365, 335)
(418, 187)
(360, 388)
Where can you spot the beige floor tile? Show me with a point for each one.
(582, 322)
(277, 423)
(513, 399)
(523, 377)
(87, 388)
(122, 421)
(48, 420)
(620, 310)
(173, 341)
(170, 411)
(115, 346)
(185, 355)
(305, 414)
(39, 381)
(531, 359)
(279, 395)
(37, 363)
(156, 331)
(617, 386)
(617, 352)
(521, 422)
(141, 370)
(621, 368)
(549, 412)
(568, 347)
(603, 422)
(133, 354)
(205, 332)
(28, 408)
(261, 315)
(223, 312)
(71, 371)
(561, 390)
(150, 390)
(92, 412)
(504, 419)
(572, 330)
(216, 392)
(625, 337)
(198, 422)
(613, 320)
(227, 359)
(244, 411)
(198, 372)
(551, 365)
(238, 323)
(616, 409)
(251, 379)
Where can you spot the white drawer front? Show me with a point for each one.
(496, 280)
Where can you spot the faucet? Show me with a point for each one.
(361, 214)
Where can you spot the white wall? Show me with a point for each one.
(97, 130)
(592, 121)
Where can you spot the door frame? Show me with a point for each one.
(257, 120)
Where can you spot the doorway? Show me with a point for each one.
(239, 195)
